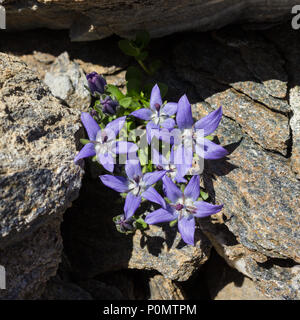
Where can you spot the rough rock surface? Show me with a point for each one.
(31, 262)
(275, 278)
(67, 82)
(164, 289)
(155, 249)
(290, 48)
(226, 283)
(38, 179)
(161, 249)
(91, 20)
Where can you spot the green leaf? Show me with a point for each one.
(135, 105)
(115, 92)
(141, 224)
(133, 73)
(209, 138)
(173, 223)
(84, 141)
(142, 38)
(204, 195)
(143, 156)
(128, 48)
(125, 102)
(133, 87)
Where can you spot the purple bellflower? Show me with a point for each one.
(190, 141)
(96, 82)
(183, 206)
(124, 222)
(109, 105)
(103, 142)
(158, 115)
(136, 183)
(167, 164)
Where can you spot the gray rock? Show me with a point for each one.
(38, 178)
(163, 250)
(226, 283)
(275, 278)
(67, 82)
(164, 289)
(289, 46)
(30, 263)
(97, 19)
(260, 192)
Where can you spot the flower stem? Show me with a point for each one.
(141, 63)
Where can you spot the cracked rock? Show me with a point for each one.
(67, 82)
(38, 179)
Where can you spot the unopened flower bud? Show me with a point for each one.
(109, 105)
(96, 82)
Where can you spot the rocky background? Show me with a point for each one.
(57, 238)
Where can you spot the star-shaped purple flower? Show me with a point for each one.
(131, 205)
(158, 115)
(183, 206)
(167, 164)
(190, 140)
(103, 141)
(136, 182)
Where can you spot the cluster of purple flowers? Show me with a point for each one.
(181, 206)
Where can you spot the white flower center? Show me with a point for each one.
(158, 117)
(103, 144)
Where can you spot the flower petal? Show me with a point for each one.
(155, 97)
(133, 169)
(90, 124)
(119, 184)
(107, 161)
(210, 122)
(205, 209)
(186, 227)
(182, 170)
(184, 116)
(152, 130)
(168, 123)
(116, 125)
(211, 150)
(170, 108)
(159, 216)
(180, 179)
(132, 202)
(183, 155)
(158, 158)
(171, 191)
(125, 147)
(144, 114)
(152, 177)
(152, 195)
(192, 190)
(87, 151)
